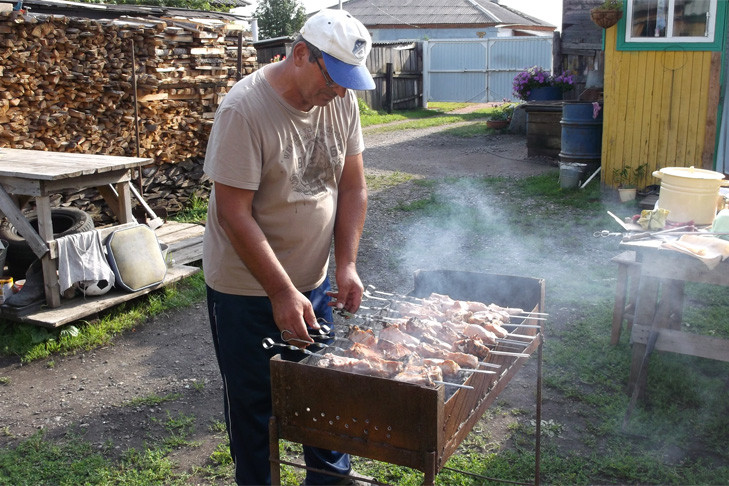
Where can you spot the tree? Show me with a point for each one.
(278, 18)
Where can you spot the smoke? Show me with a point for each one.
(477, 226)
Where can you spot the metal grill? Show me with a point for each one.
(400, 423)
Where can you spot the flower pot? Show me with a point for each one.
(497, 124)
(627, 193)
(605, 18)
(545, 93)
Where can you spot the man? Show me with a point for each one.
(285, 156)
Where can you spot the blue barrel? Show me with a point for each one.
(581, 132)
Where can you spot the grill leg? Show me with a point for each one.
(430, 470)
(273, 453)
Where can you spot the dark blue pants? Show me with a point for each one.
(239, 324)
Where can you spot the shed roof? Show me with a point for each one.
(110, 11)
(404, 13)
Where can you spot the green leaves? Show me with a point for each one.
(278, 18)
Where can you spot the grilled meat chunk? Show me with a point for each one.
(362, 336)
(420, 375)
(474, 347)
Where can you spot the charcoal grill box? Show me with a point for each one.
(395, 422)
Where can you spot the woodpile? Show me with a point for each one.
(68, 85)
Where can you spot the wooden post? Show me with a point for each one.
(389, 82)
(274, 456)
(556, 52)
(239, 65)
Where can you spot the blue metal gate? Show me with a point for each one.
(481, 70)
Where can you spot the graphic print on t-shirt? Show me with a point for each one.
(315, 165)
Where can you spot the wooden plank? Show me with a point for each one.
(712, 114)
(14, 215)
(684, 343)
(670, 106)
(183, 240)
(81, 307)
(41, 165)
(172, 231)
(186, 251)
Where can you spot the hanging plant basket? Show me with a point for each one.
(605, 18)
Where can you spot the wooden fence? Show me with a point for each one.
(397, 69)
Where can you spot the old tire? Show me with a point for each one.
(65, 221)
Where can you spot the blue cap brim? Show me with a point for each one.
(347, 75)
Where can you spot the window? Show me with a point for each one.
(660, 23)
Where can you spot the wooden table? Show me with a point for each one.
(659, 306)
(39, 174)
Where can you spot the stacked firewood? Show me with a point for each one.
(68, 85)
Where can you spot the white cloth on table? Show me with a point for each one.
(81, 258)
(709, 249)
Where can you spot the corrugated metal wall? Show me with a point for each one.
(660, 109)
(481, 70)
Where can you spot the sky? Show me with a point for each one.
(548, 10)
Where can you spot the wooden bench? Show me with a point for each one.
(626, 291)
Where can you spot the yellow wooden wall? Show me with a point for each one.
(660, 109)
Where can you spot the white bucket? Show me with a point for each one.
(570, 174)
(689, 194)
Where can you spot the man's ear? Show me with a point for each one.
(300, 54)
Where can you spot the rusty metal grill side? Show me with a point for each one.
(368, 416)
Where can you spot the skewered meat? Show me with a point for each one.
(371, 367)
(447, 366)
(443, 300)
(480, 332)
(392, 350)
(490, 322)
(473, 347)
(423, 341)
(427, 330)
(393, 334)
(420, 375)
(418, 327)
(463, 359)
(362, 351)
(448, 333)
(363, 336)
(426, 310)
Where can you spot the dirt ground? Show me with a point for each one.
(88, 393)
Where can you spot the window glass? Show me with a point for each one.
(691, 18)
(671, 20)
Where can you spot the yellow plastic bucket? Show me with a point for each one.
(689, 194)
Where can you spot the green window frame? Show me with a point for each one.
(627, 43)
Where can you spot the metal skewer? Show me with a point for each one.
(522, 336)
(295, 340)
(514, 324)
(452, 384)
(471, 370)
(507, 353)
(269, 343)
(527, 317)
(399, 296)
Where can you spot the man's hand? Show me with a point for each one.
(292, 312)
(350, 289)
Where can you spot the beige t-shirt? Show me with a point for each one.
(294, 160)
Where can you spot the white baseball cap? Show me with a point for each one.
(345, 45)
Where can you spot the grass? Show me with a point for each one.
(678, 437)
(30, 343)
